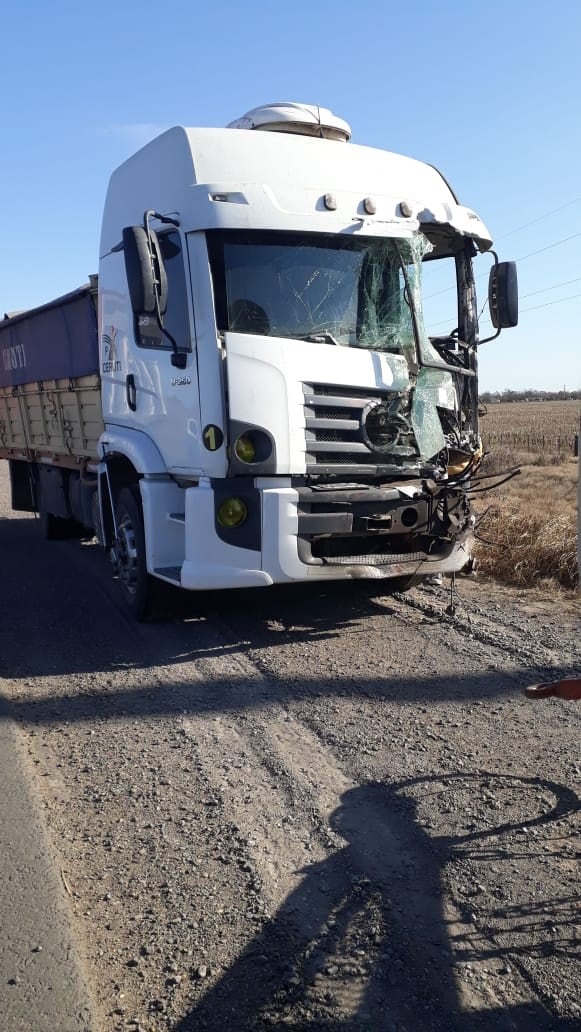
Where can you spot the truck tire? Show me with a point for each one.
(141, 592)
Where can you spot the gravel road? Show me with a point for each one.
(301, 809)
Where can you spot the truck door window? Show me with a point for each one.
(176, 318)
(439, 296)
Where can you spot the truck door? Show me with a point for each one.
(141, 388)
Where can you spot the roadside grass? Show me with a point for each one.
(527, 529)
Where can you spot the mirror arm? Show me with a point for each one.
(494, 336)
(160, 218)
(498, 332)
(178, 358)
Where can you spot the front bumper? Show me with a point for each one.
(296, 543)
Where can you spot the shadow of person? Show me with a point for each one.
(359, 944)
(362, 943)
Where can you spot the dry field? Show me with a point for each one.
(528, 528)
(539, 427)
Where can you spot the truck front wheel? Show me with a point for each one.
(140, 590)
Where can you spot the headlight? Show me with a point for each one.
(244, 449)
(251, 450)
(380, 428)
(232, 512)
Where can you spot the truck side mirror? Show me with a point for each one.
(503, 295)
(146, 276)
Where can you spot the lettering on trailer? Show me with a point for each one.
(14, 357)
(111, 363)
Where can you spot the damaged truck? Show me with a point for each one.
(247, 393)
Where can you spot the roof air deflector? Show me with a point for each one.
(300, 119)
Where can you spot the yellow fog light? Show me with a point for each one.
(244, 449)
(232, 512)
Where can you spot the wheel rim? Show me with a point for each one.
(126, 555)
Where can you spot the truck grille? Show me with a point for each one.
(387, 559)
(381, 551)
(335, 435)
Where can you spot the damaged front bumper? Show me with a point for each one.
(355, 532)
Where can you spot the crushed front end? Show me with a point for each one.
(369, 424)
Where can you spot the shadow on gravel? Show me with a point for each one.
(63, 593)
(365, 932)
(57, 624)
(63, 615)
(99, 700)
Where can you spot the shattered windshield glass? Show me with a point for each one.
(347, 290)
(342, 289)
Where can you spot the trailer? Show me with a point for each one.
(51, 418)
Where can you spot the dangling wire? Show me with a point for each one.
(452, 607)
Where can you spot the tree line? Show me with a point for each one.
(491, 396)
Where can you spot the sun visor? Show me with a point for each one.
(457, 219)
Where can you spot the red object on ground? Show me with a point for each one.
(568, 688)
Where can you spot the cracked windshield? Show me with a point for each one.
(341, 290)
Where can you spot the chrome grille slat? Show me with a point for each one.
(346, 467)
(331, 424)
(341, 447)
(336, 401)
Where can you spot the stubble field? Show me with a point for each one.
(528, 526)
(543, 428)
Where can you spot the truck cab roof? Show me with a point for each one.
(210, 178)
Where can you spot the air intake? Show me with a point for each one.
(302, 119)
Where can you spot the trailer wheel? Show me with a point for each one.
(141, 592)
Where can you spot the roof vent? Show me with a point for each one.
(302, 119)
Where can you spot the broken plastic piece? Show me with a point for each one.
(567, 688)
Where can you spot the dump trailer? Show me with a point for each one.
(247, 394)
(51, 417)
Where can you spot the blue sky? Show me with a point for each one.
(487, 91)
